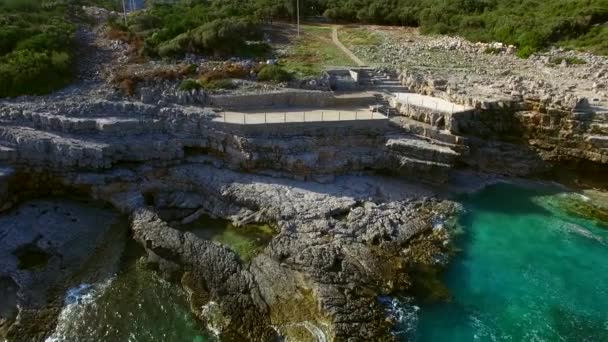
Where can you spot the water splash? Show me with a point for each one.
(316, 332)
(76, 302)
(404, 313)
(135, 305)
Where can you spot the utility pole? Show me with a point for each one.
(124, 11)
(298, 14)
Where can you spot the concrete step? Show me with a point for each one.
(7, 152)
(424, 170)
(416, 148)
(600, 116)
(600, 141)
(599, 128)
(425, 130)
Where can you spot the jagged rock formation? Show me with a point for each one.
(323, 271)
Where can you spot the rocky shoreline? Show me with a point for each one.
(327, 265)
(345, 235)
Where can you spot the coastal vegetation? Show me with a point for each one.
(37, 37)
(217, 28)
(529, 24)
(36, 46)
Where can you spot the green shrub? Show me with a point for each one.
(218, 28)
(30, 72)
(36, 43)
(219, 84)
(190, 84)
(274, 73)
(525, 52)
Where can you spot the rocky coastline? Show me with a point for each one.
(359, 212)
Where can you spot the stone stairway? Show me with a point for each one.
(597, 123)
(384, 106)
(443, 137)
(380, 80)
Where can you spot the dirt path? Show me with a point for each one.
(351, 55)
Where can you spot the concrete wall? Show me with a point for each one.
(279, 99)
(354, 74)
(305, 99)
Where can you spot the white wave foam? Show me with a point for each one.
(76, 302)
(404, 312)
(315, 331)
(581, 231)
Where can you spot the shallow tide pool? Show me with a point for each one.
(528, 270)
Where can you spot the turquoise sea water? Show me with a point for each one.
(526, 272)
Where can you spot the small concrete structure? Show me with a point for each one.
(428, 102)
(335, 129)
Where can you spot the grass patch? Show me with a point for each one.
(313, 52)
(531, 25)
(353, 37)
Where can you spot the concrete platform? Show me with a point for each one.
(298, 115)
(429, 102)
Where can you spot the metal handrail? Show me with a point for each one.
(270, 118)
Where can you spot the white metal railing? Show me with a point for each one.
(297, 117)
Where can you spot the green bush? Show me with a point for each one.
(29, 72)
(219, 84)
(219, 28)
(36, 43)
(525, 52)
(274, 73)
(190, 84)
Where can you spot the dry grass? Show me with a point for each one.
(130, 77)
(230, 70)
(135, 42)
(356, 36)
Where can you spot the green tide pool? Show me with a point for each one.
(530, 268)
